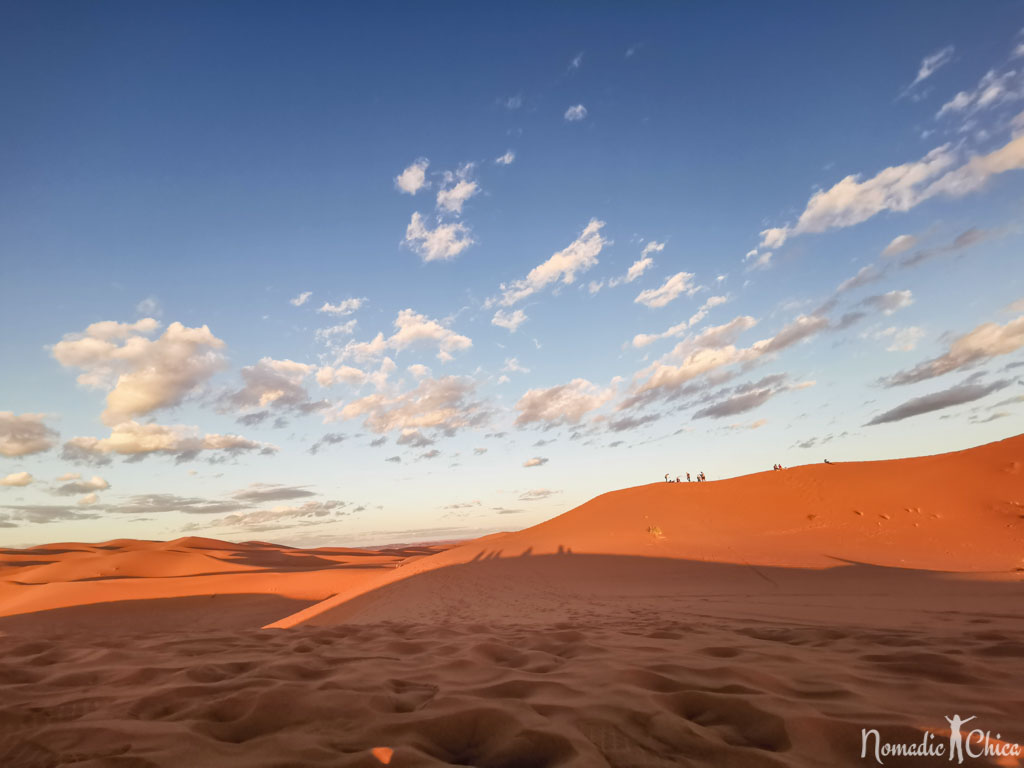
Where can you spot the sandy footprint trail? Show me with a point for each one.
(760, 621)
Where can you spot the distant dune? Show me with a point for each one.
(763, 620)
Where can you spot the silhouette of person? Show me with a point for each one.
(677, 478)
(688, 477)
(956, 744)
(666, 477)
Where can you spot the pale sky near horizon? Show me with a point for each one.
(340, 274)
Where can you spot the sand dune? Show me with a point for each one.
(759, 621)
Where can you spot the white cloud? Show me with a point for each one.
(510, 320)
(507, 159)
(931, 64)
(852, 201)
(901, 339)
(576, 113)
(637, 268)
(25, 434)
(993, 89)
(653, 246)
(890, 302)
(347, 328)
(563, 404)
(512, 366)
(418, 370)
(713, 349)
(577, 61)
(301, 299)
(149, 307)
(137, 440)
(16, 480)
(443, 404)
(511, 103)
(577, 257)
(973, 174)
(899, 188)
(414, 178)
(328, 375)
(88, 500)
(900, 244)
(643, 339)
(773, 237)
(764, 261)
(143, 375)
(458, 188)
(670, 290)
(445, 241)
(410, 328)
(536, 461)
(342, 308)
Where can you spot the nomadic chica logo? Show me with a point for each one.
(953, 742)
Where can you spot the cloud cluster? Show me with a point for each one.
(444, 404)
(575, 113)
(992, 89)
(563, 266)
(442, 243)
(669, 291)
(414, 178)
(898, 188)
(510, 320)
(342, 308)
(136, 441)
(142, 374)
(274, 384)
(410, 328)
(711, 350)
(25, 434)
(679, 329)
(747, 397)
(78, 486)
(456, 189)
(563, 404)
(986, 341)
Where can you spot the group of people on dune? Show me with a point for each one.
(700, 478)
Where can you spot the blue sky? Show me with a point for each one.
(331, 274)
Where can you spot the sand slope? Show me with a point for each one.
(760, 621)
(961, 512)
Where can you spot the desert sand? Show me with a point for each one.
(763, 620)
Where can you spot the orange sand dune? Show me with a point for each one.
(762, 621)
(960, 511)
(66, 575)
